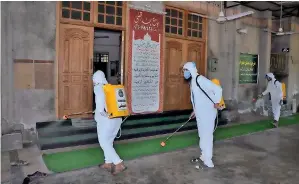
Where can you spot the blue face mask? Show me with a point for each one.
(187, 74)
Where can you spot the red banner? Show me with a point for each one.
(145, 62)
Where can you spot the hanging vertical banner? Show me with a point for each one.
(145, 63)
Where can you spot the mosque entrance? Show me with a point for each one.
(107, 55)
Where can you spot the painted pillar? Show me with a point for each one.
(293, 78)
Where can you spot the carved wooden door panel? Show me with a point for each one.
(173, 59)
(177, 90)
(196, 54)
(175, 85)
(75, 69)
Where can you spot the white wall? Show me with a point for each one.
(293, 79)
(28, 32)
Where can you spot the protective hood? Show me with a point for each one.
(99, 78)
(271, 76)
(191, 66)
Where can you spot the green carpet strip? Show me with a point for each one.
(78, 159)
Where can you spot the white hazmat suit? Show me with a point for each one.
(274, 87)
(204, 110)
(107, 128)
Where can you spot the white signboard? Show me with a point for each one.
(121, 99)
(145, 74)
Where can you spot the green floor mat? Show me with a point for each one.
(77, 159)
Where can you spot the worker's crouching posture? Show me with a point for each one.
(274, 87)
(107, 128)
(205, 98)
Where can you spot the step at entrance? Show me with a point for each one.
(59, 134)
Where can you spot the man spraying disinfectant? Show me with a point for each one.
(205, 98)
(274, 87)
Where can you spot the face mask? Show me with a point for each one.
(268, 79)
(187, 74)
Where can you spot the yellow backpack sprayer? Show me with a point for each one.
(116, 102)
(220, 107)
(221, 104)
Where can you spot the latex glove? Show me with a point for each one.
(260, 96)
(221, 107)
(192, 115)
(104, 114)
(217, 106)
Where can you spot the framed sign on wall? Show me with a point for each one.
(248, 68)
(145, 62)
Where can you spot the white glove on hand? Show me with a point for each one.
(192, 115)
(104, 114)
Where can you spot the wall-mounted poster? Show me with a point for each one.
(145, 62)
(248, 68)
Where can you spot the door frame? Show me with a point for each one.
(94, 24)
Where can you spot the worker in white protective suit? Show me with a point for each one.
(107, 128)
(274, 87)
(204, 109)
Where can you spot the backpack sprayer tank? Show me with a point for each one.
(116, 101)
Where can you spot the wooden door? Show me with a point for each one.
(173, 77)
(75, 69)
(177, 90)
(196, 54)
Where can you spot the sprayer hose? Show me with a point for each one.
(216, 122)
(120, 127)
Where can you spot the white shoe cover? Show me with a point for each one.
(209, 163)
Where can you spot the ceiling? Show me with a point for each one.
(289, 8)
